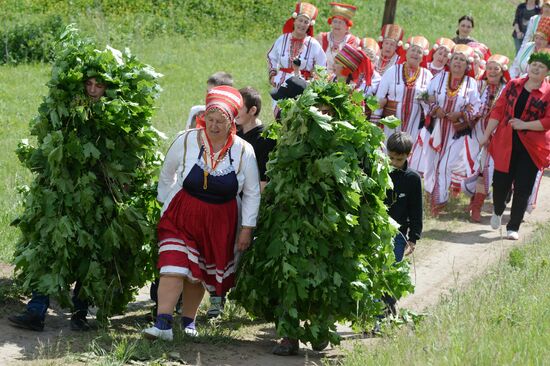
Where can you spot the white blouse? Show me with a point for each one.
(175, 169)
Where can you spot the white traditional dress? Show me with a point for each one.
(446, 145)
(374, 84)
(521, 62)
(382, 64)
(434, 69)
(331, 48)
(286, 48)
(395, 86)
(480, 164)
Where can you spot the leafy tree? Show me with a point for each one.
(90, 211)
(323, 249)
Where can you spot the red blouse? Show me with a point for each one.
(537, 107)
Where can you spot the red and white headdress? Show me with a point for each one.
(342, 11)
(225, 98)
(543, 28)
(482, 51)
(418, 41)
(392, 31)
(446, 43)
(302, 9)
(501, 61)
(465, 50)
(371, 47)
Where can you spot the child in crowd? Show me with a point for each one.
(404, 201)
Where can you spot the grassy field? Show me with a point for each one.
(501, 319)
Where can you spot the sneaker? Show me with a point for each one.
(156, 333)
(496, 221)
(191, 332)
(286, 347)
(512, 235)
(79, 323)
(216, 307)
(27, 320)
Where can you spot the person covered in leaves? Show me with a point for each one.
(203, 174)
(88, 212)
(322, 252)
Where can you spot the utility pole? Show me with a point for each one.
(389, 12)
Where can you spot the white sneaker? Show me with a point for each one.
(512, 235)
(155, 333)
(496, 221)
(191, 332)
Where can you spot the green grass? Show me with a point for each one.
(501, 319)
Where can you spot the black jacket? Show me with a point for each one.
(405, 202)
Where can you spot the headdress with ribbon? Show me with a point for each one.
(302, 9)
(355, 62)
(342, 11)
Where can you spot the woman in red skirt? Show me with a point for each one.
(204, 172)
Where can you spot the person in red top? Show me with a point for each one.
(520, 146)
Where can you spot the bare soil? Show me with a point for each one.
(453, 252)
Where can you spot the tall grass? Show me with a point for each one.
(501, 319)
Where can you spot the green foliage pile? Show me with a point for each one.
(90, 212)
(323, 250)
(32, 41)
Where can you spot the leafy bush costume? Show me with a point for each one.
(323, 248)
(90, 211)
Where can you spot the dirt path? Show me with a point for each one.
(457, 252)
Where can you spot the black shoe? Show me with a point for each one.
(27, 320)
(287, 347)
(319, 346)
(79, 323)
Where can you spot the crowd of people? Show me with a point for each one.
(470, 120)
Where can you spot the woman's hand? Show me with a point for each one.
(517, 124)
(440, 113)
(245, 238)
(454, 116)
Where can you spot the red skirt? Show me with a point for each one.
(197, 241)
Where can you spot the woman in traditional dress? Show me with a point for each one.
(520, 146)
(372, 50)
(400, 91)
(390, 47)
(477, 185)
(438, 58)
(524, 12)
(340, 22)
(454, 100)
(541, 38)
(296, 47)
(481, 55)
(204, 172)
